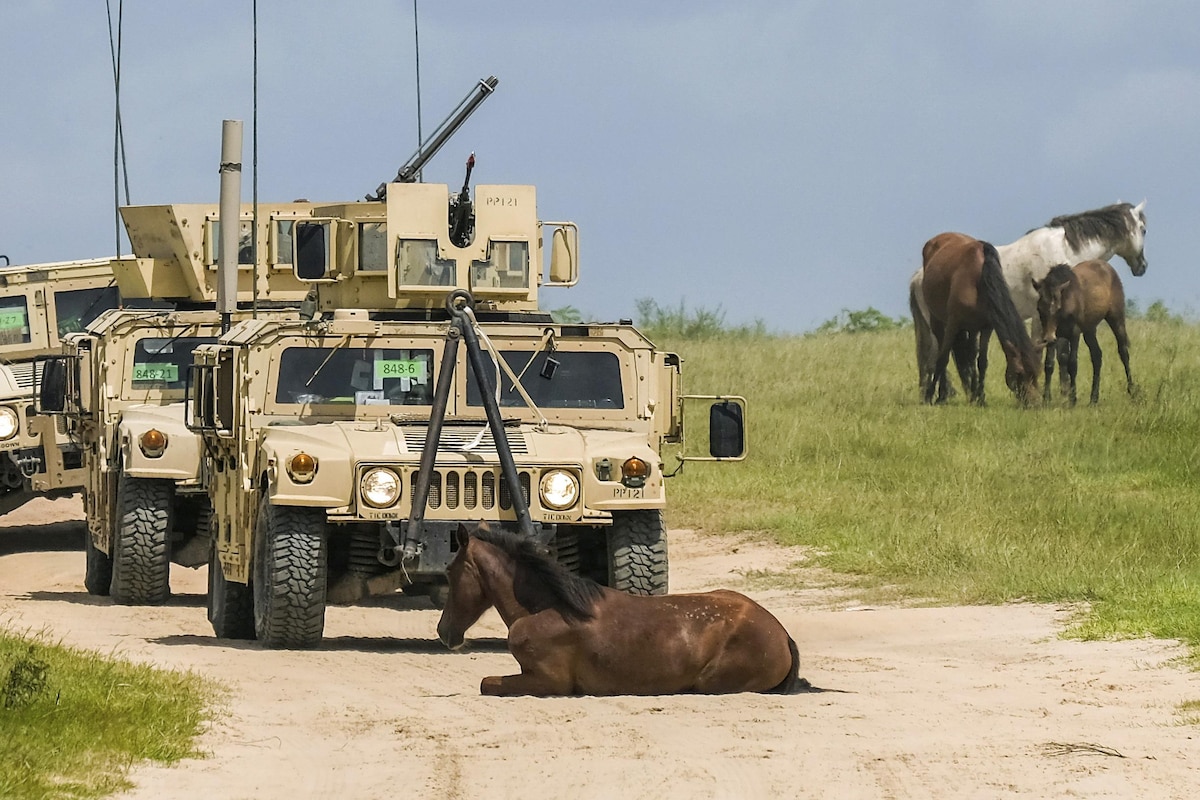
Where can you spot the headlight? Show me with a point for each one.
(9, 424)
(380, 487)
(559, 489)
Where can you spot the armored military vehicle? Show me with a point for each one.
(122, 388)
(39, 305)
(342, 450)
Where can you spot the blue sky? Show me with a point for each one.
(778, 160)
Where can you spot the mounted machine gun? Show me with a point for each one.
(429, 148)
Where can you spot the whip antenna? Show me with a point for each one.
(417, 51)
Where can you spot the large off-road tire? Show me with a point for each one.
(583, 550)
(637, 552)
(566, 548)
(97, 576)
(230, 605)
(291, 569)
(141, 548)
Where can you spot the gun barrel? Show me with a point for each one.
(430, 147)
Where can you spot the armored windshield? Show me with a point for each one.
(245, 253)
(163, 363)
(559, 379)
(506, 267)
(355, 375)
(14, 320)
(418, 264)
(78, 307)
(372, 247)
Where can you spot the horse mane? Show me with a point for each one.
(1108, 224)
(1058, 275)
(576, 594)
(1004, 318)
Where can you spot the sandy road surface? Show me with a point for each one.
(948, 702)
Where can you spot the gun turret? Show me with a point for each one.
(429, 148)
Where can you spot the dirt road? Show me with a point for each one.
(945, 702)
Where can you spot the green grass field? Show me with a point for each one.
(72, 722)
(1095, 506)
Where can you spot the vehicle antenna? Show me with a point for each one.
(254, 173)
(417, 51)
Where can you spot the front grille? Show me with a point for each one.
(468, 490)
(23, 373)
(463, 489)
(454, 438)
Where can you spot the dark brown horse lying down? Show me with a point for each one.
(572, 636)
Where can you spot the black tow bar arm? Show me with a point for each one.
(462, 328)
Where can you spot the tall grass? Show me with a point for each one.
(72, 722)
(1090, 505)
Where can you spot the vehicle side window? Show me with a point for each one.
(14, 320)
(77, 308)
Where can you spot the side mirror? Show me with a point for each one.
(726, 430)
(52, 392)
(564, 254)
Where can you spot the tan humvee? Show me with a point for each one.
(124, 390)
(40, 304)
(314, 430)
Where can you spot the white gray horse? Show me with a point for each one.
(1119, 229)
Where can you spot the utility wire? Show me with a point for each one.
(254, 176)
(120, 164)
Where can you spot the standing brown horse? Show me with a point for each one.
(1073, 300)
(965, 293)
(572, 636)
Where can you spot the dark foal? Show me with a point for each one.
(572, 636)
(1073, 301)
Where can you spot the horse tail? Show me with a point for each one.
(926, 346)
(1001, 312)
(793, 682)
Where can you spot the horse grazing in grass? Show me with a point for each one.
(1119, 229)
(965, 292)
(1071, 301)
(573, 636)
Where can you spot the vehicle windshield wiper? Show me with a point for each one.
(345, 340)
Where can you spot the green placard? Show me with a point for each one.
(168, 373)
(13, 318)
(400, 368)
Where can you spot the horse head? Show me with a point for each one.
(1132, 247)
(1021, 372)
(467, 598)
(1051, 300)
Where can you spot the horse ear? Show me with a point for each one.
(1037, 285)
(1140, 207)
(462, 535)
